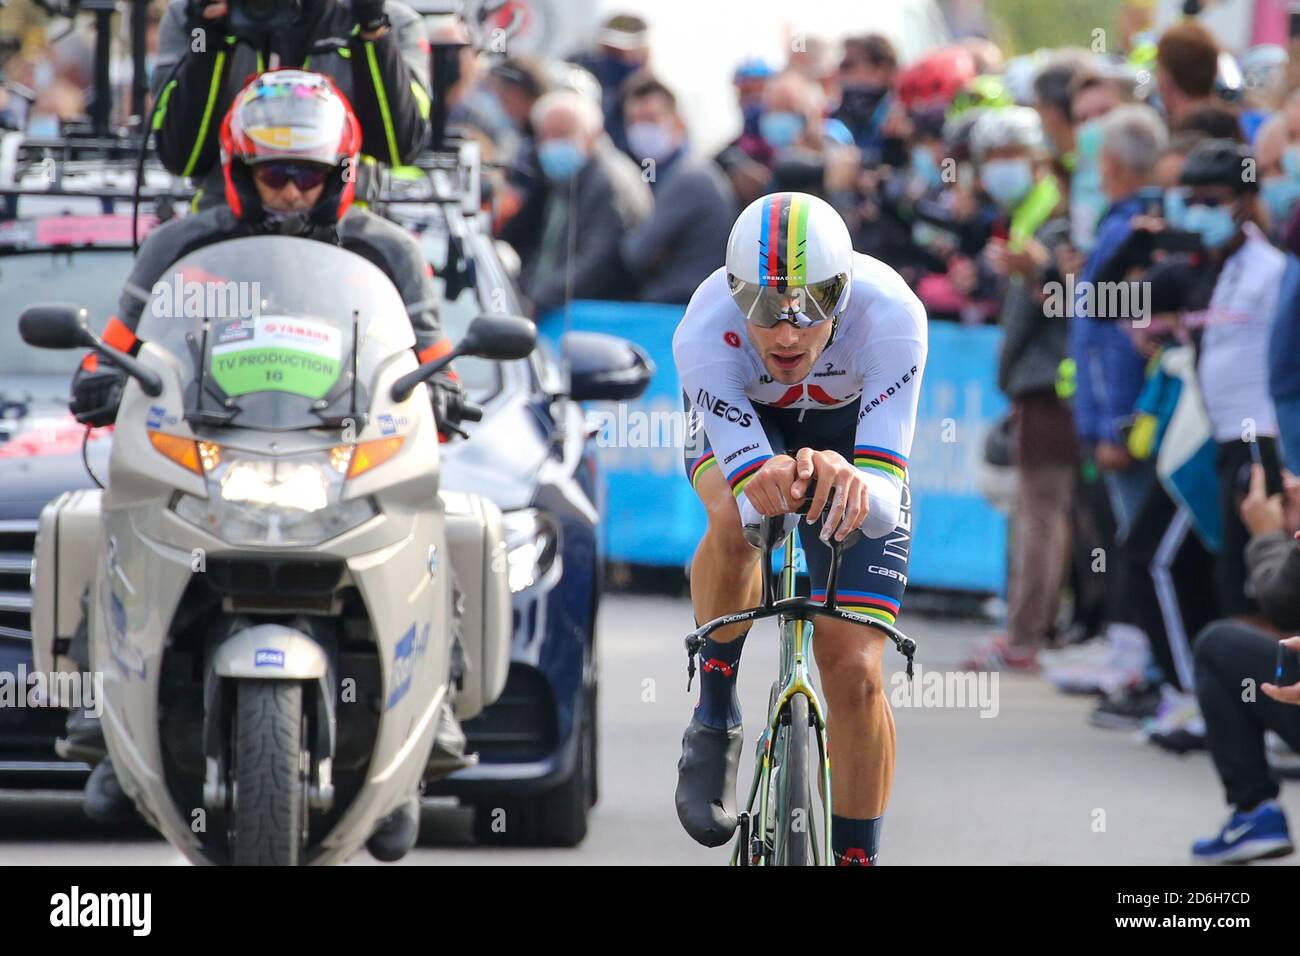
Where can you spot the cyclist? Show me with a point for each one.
(799, 343)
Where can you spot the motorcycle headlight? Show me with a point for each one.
(532, 543)
(295, 500)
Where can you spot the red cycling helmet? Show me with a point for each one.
(936, 78)
(290, 115)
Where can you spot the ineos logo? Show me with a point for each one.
(723, 410)
(732, 339)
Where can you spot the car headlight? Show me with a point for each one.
(294, 500)
(532, 543)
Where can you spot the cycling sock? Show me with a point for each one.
(855, 842)
(719, 706)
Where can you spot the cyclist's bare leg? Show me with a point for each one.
(860, 723)
(724, 571)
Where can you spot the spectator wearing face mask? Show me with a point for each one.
(595, 195)
(1110, 370)
(1279, 188)
(866, 75)
(750, 80)
(1220, 207)
(810, 153)
(1008, 146)
(622, 48)
(685, 238)
(518, 83)
(1278, 149)
(1092, 96)
(1052, 100)
(1187, 61)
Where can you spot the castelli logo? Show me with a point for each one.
(732, 339)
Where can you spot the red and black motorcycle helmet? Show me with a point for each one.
(290, 115)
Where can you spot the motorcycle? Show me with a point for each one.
(280, 602)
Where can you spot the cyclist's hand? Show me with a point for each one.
(769, 490)
(839, 485)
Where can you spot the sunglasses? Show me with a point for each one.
(804, 307)
(277, 175)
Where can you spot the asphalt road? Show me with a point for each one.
(1031, 783)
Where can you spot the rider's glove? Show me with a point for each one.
(369, 15)
(96, 393)
(446, 394)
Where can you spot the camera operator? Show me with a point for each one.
(375, 51)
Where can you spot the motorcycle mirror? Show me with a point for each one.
(58, 325)
(496, 337)
(55, 325)
(499, 337)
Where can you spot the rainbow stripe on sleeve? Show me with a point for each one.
(705, 462)
(880, 459)
(740, 477)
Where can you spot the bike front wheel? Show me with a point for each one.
(794, 826)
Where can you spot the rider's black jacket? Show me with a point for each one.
(386, 80)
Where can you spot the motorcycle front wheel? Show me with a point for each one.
(271, 767)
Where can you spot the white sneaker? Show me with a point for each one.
(1178, 711)
(1095, 650)
(1123, 665)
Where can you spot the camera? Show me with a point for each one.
(258, 19)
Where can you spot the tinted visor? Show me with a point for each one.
(804, 306)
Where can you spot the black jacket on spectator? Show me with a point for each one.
(685, 238)
(583, 228)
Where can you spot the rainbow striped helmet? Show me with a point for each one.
(790, 259)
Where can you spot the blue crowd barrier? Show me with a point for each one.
(653, 516)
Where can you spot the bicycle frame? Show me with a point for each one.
(796, 623)
(795, 677)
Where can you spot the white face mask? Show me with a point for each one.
(651, 140)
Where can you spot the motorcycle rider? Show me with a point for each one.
(375, 51)
(289, 150)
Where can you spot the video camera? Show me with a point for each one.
(251, 19)
(256, 20)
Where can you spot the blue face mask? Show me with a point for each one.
(780, 129)
(1175, 205)
(925, 168)
(561, 159)
(1007, 180)
(1087, 200)
(1214, 224)
(752, 113)
(1291, 161)
(1087, 141)
(1280, 194)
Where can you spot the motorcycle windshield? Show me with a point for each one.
(270, 328)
